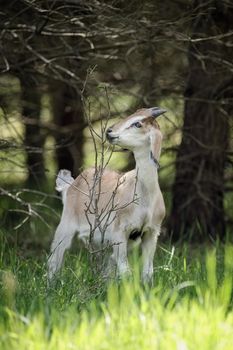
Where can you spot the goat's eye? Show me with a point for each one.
(137, 125)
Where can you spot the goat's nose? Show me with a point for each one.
(109, 130)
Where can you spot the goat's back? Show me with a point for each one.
(112, 190)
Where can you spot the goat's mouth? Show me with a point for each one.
(112, 139)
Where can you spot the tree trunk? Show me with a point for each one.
(68, 111)
(197, 207)
(33, 139)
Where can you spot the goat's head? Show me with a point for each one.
(138, 131)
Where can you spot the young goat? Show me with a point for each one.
(139, 133)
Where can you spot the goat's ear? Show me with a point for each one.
(155, 146)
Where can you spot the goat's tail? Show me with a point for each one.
(63, 182)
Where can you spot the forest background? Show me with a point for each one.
(61, 60)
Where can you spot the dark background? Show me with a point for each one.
(116, 56)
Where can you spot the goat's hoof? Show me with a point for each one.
(127, 273)
(147, 279)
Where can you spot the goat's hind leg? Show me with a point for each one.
(61, 242)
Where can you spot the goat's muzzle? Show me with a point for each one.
(110, 137)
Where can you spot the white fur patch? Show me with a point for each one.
(63, 180)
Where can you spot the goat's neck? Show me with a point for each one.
(147, 173)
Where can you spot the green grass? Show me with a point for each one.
(189, 305)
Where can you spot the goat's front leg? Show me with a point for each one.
(120, 257)
(149, 242)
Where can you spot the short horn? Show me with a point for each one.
(156, 111)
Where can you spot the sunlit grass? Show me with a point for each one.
(189, 305)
